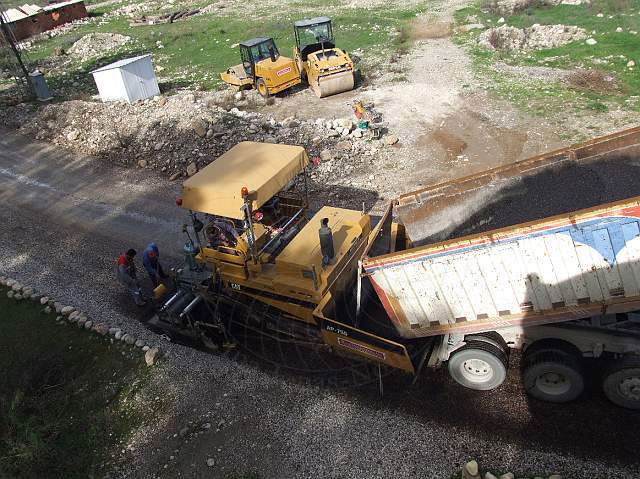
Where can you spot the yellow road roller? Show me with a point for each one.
(328, 70)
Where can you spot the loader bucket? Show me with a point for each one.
(332, 84)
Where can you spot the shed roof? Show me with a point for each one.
(309, 22)
(18, 13)
(55, 6)
(255, 41)
(264, 168)
(121, 63)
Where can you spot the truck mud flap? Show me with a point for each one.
(352, 340)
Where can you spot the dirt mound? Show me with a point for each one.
(181, 133)
(593, 80)
(96, 44)
(532, 38)
(509, 7)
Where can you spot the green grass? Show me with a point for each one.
(610, 55)
(66, 395)
(195, 50)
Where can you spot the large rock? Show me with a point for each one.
(344, 145)
(200, 127)
(470, 470)
(67, 310)
(391, 139)
(326, 155)
(151, 355)
(10, 294)
(346, 123)
(192, 169)
(44, 300)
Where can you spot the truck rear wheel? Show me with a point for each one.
(478, 365)
(621, 383)
(553, 376)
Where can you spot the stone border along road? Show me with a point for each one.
(20, 292)
(63, 225)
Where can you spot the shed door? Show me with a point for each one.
(140, 80)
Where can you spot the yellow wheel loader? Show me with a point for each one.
(262, 68)
(328, 70)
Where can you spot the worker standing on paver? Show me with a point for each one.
(127, 276)
(151, 263)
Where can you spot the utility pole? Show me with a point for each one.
(11, 42)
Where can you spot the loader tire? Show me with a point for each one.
(478, 365)
(262, 88)
(621, 383)
(553, 376)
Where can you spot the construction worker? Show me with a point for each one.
(151, 263)
(127, 276)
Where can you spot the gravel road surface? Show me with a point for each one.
(65, 219)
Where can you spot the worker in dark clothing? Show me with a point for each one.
(151, 263)
(127, 276)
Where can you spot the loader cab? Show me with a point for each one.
(256, 50)
(313, 35)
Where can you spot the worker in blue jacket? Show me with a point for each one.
(151, 263)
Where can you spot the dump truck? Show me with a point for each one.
(328, 70)
(262, 68)
(542, 255)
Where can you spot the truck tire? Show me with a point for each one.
(262, 88)
(621, 383)
(553, 376)
(478, 365)
(490, 337)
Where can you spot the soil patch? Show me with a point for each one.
(593, 80)
(425, 31)
(450, 143)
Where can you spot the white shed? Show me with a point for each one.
(130, 79)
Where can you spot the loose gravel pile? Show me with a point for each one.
(96, 44)
(532, 38)
(559, 188)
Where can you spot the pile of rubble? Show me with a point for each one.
(509, 7)
(181, 133)
(96, 44)
(531, 38)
